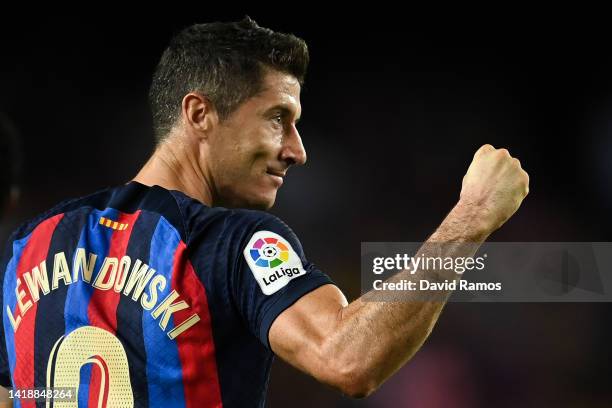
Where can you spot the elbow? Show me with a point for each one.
(351, 379)
(358, 390)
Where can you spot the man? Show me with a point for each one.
(169, 292)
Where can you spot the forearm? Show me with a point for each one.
(373, 339)
(5, 402)
(355, 347)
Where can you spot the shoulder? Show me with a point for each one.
(94, 200)
(235, 224)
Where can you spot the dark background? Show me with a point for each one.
(393, 110)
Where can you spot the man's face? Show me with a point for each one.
(252, 149)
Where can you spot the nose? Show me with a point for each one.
(293, 151)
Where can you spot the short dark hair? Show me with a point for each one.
(226, 62)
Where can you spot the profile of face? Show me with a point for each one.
(250, 151)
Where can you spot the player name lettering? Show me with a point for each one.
(279, 273)
(133, 279)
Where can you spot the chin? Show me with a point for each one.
(259, 198)
(262, 204)
(252, 197)
(254, 201)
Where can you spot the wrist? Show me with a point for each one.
(475, 219)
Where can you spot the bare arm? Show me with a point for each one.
(355, 347)
(5, 402)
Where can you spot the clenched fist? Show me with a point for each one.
(494, 186)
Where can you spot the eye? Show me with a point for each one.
(277, 119)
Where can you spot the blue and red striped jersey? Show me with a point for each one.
(140, 296)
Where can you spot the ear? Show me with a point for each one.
(198, 113)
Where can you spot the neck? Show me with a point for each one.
(175, 166)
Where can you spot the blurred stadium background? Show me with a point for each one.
(392, 112)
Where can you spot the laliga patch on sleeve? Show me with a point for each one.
(272, 260)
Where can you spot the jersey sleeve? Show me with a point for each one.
(271, 274)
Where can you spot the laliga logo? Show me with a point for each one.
(272, 261)
(269, 252)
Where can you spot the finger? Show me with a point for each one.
(484, 149)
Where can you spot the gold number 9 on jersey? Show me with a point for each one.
(91, 345)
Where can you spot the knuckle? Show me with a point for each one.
(503, 152)
(484, 148)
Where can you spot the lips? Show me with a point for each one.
(276, 175)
